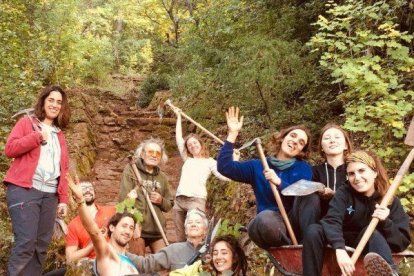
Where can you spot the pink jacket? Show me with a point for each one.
(23, 145)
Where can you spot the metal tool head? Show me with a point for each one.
(409, 139)
(26, 111)
(215, 230)
(302, 188)
(249, 144)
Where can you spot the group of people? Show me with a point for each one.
(38, 182)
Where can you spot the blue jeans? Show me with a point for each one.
(33, 216)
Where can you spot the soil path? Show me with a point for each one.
(119, 126)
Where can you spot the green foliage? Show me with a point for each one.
(364, 50)
(128, 205)
(148, 88)
(369, 57)
(229, 229)
(406, 194)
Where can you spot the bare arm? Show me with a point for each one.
(74, 254)
(179, 135)
(98, 239)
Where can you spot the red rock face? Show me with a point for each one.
(107, 129)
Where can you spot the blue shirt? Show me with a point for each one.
(251, 172)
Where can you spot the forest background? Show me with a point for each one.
(282, 62)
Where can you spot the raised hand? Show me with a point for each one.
(75, 188)
(177, 111)
(233, 121)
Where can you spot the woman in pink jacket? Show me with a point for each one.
(37, 189)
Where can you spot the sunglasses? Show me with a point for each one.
(87, 188)
(155, 153)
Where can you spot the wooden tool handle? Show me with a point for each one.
(384, 203)
(151, 207)
(277, 195)
(196, 124)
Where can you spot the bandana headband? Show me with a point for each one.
(362, 157)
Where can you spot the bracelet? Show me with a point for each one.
(81, 202)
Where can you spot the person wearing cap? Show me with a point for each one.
(176, 255)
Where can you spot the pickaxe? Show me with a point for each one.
(168, 102)
(29, 112)
(409, 140)
(275, 192)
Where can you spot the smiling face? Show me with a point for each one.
(195, 226)
(194, 147)
(52, 106)
(88, 192)
(361, 177)
(123, 231)
(333, 142)
(292, 144)
(151, 155)
(222, 256)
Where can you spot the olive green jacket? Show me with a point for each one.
(156, 181)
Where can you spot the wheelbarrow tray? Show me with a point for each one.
(288, 260)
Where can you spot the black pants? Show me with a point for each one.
(33, 215)
(306, 211)
(315, 241)
(267, 229)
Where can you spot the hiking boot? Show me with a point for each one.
(375, 265)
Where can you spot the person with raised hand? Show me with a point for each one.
(287, 150)
(198, 166)
(110, 254)
(37, 189)
(349, 214)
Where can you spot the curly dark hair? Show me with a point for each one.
(239, 258)
(62, 120)
(276, 140)
(115, 219)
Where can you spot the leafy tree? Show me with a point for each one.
(370, 60)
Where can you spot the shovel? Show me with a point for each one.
(409, 140)
(302, 188)
(276, 194)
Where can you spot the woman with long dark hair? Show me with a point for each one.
(37, 189)
(287, 149)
